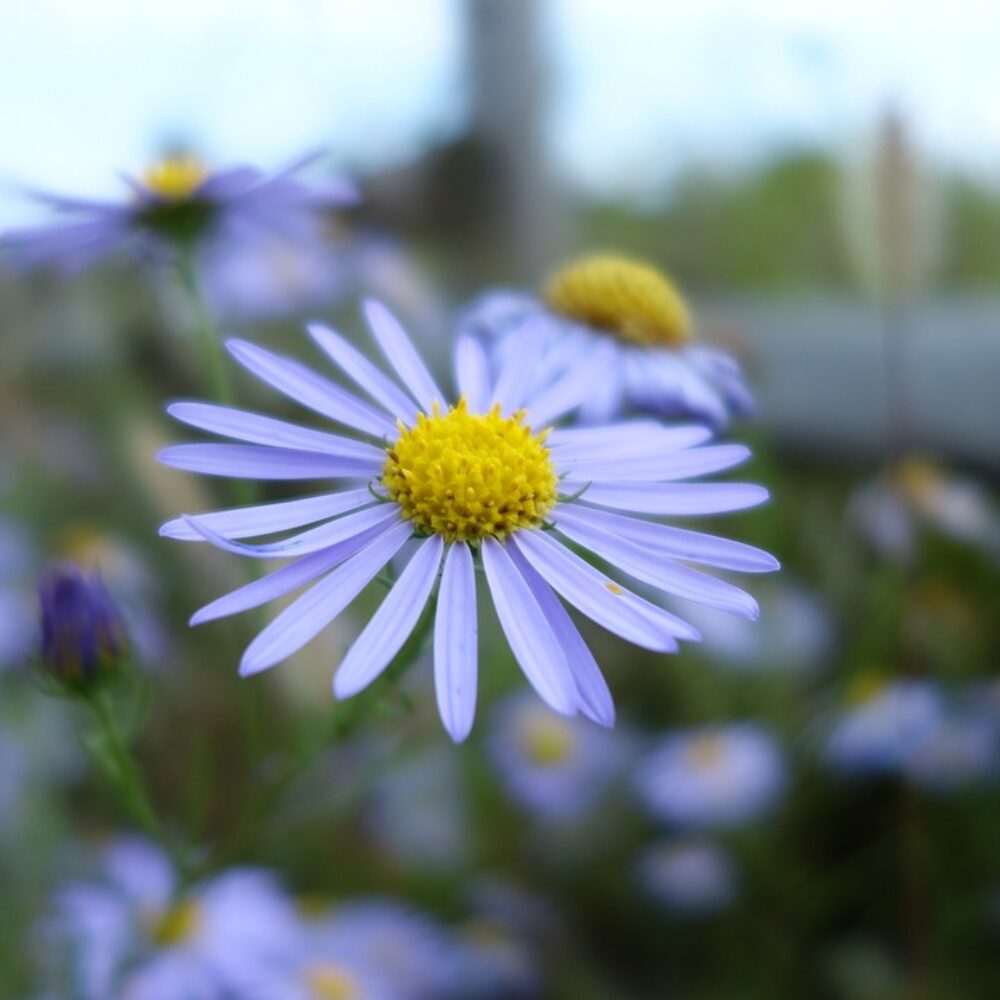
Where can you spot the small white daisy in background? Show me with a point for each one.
(135, 932)
(555, 767)
(631, 315)
(488, 482)
(712, 776)
(688, 877)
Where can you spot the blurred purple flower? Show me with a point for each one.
(713, 776)
(176, 203)
(135, 932)
(690, 877)
(82, 634)
(555, 767)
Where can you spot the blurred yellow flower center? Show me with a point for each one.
(706, 752)
(621, 296)
(331, 982)
(469, 476)
(177, 923)
(547, 740)
(864, 687)
(175, 177)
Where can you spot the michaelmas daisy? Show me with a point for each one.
(632, 315)
(177, 202)
(484, 482)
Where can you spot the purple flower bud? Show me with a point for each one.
(82, 635)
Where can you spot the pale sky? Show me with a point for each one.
(639, 86)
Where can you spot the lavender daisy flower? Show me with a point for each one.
(557, 768)
(135, 933)
(634, 317)
(486, 480)
(177, 202)
(689, 877)
(712, 776)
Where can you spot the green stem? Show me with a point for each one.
(114, 755)
(218, 384)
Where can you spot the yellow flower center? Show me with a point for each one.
(706, 752)
(864, 687)
(175, 177)
(469, 476)
(621, 296)
(547, 740)
(177, 923)
(331, 982)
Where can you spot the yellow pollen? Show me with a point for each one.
(623, 297)
(547, 740)
(614, 588)
(705, 752)
(177, 923)
(175, 177)
(469, 476)
(331, 982)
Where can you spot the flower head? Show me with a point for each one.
(487, 480)
(134, 931)
(690, 877)
(713, 776)
(634, 316)
(82, 636)
(557, 768)
(177, 203)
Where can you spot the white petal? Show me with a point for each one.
(311, 389)
(532, 640)
(283, 581)
(456, 630)
(311, 540)
(390, 626)
(257, 429)
(263, 519)
(657, 468)
(569, 392)
(472, 373)
(519, 368)
(595, 698)
(309, 614)
(356, 366)
(251, 461)
(630, 439)
(678, 499)
(653, 568)
(681, 543)
(403, 356)
(601, 598)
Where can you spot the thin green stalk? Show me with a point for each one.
(114, 755)
(216, 372)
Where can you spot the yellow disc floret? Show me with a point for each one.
(175, 177)
(469, 476)
(546, 739)
(621, 296)
(177, 923)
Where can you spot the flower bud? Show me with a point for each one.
(82, 636)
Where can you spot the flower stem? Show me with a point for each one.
(112, 752)
(216, 374)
